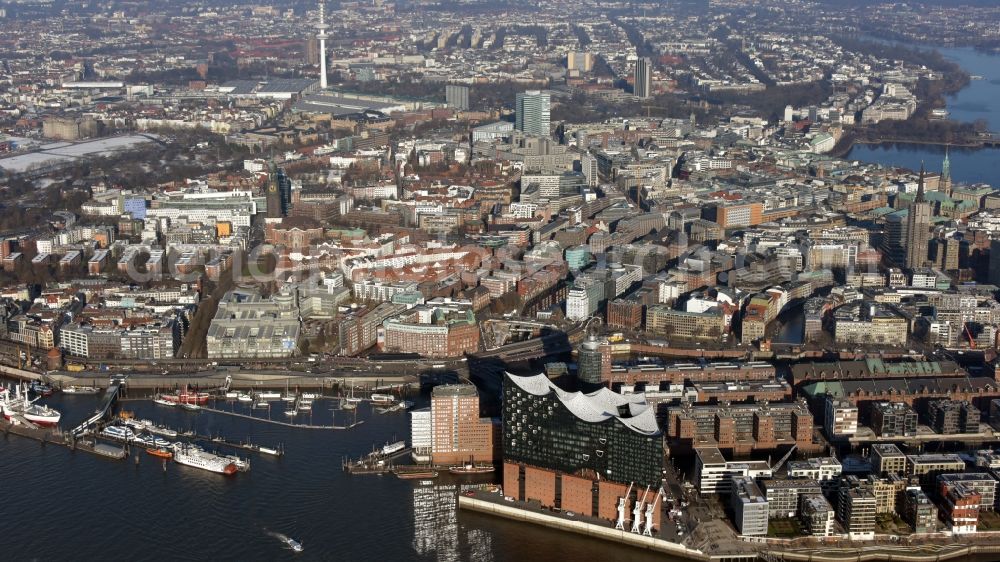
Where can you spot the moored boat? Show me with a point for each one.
(383, 398)
(472, 469)
(41, 415)
(244, 398)
(187, 397)
(190, 406)
(197, 458)
(41, 388)
(162, 453)
(163, 402)
(81, 390)
(415, 474)
(391, 448)
(159, 429)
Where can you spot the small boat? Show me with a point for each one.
(162, 453)
(163, 402)
(348, 405)
(311, 395)
(268, 395)
(161, 442)
(242, 464)
(244, 398)
(81, 390)
(293, 544)
(41, 388)
(290, 412)
(232, 394)
(262, 404)
(190, 406)
(352, 399)
(159, 429)
(41, 415)
(115, 432)
(472, 469)
(383, 398)
(288, 397)
(305, 405)
(268, 451)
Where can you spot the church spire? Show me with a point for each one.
(920, 185)
(946, 172)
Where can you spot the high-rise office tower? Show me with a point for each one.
(643, 77)
(532, 113)
(458, 434)
(917, 227)
(457, 96)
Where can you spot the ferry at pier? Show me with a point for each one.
(197, 458)
(116, 432)
(391, 448)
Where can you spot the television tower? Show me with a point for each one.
(321, 28)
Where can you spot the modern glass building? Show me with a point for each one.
(602, 435)
(532, 113)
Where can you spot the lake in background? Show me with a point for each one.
(979, 100)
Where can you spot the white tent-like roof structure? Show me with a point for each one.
(596, 407)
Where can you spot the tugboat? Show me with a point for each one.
(161, 452)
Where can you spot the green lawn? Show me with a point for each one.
(784, 528)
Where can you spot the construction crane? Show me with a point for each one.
(968, 334)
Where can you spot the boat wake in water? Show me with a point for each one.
(289, 541)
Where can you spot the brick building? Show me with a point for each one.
(579, 452)
(459, 434)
